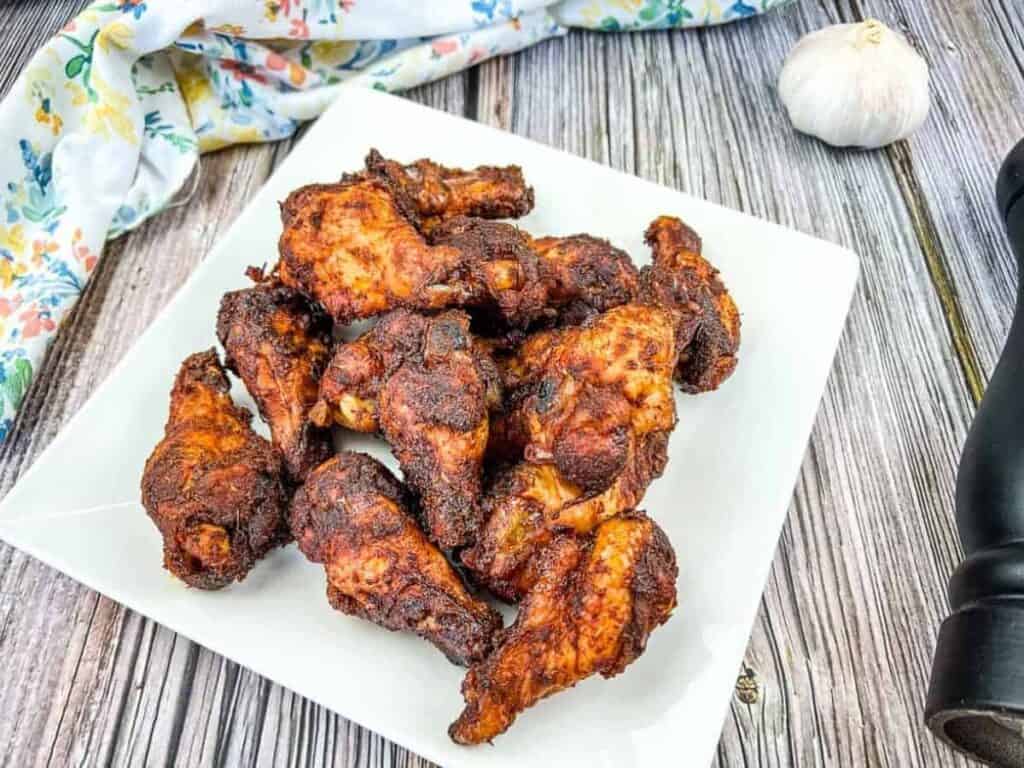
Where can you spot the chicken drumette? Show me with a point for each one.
(279, 345)
(557, 280)
(427, 387)
(438, 193)
(357, 247)
(588, 423)
(709, 322)
(213, 486)
(596, 602)
(352, 515)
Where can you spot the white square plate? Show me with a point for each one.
(733, 461)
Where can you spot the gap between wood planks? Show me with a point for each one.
(902, 163)
(938, 268)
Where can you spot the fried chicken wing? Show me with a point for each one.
(547, 281)
(500, 258)
(356, 247)
(439, 193)
(434, 413)
(709, 322)
(590, 420)
(212, 486)
(584, 276)
(595, 603)
(424, 383)
(352, 515)
(279, 345)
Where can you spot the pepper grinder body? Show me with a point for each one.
(976, 695)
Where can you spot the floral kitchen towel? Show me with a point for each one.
(106, 122)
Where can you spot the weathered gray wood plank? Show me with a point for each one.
(843, 641)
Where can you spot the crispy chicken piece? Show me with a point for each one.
(279, 345)
(584, 276)
(596, 602)
(434, 413)
(213, 486)
(516, 294)
(709, 322)
(423, 383)
(557, 280)
(354, 246)
(590, 420)
(358, 370)
(352, 515)
(439, 193)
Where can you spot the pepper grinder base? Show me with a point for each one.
(976, 697)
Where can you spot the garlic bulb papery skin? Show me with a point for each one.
(855, 85)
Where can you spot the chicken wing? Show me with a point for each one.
(213, 486)
(590, 420)
(434, 413)
(549, 281)
(584, 276)
(352, 515)
(498, 257)
(354, 247)
(708, 336)
(279, 345)
(596, 602)
(439, 193)
(424, 383)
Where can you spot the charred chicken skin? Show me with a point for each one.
(427, 387)
(584, 276)
(500, 258)
(588, 424)
(353, 246)
(212, 486)
(709, 322)
(356, 248)
(596, 601)
(438, 193)
(279, 345)
(434, 413)
(547, 281)
(352, 515)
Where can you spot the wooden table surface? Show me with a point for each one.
(841, 649)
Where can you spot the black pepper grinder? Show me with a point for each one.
(976, 696)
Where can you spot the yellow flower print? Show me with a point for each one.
(271, 9)
(330, 53)
(629, 6)
(192, 81)
(10, 271)
(40, 94)
(712, 10)
(54, 121)
(229, 29)
(110, 112)
(592, 14)
(78, 94)
(247, 135)
(212, 142)
(13, 238)
(117, 34)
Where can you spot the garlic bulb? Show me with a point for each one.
(855, 85)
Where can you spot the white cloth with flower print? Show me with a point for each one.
(106, 122)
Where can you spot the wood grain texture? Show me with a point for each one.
(842, 646)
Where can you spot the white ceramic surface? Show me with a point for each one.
(733, 461)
